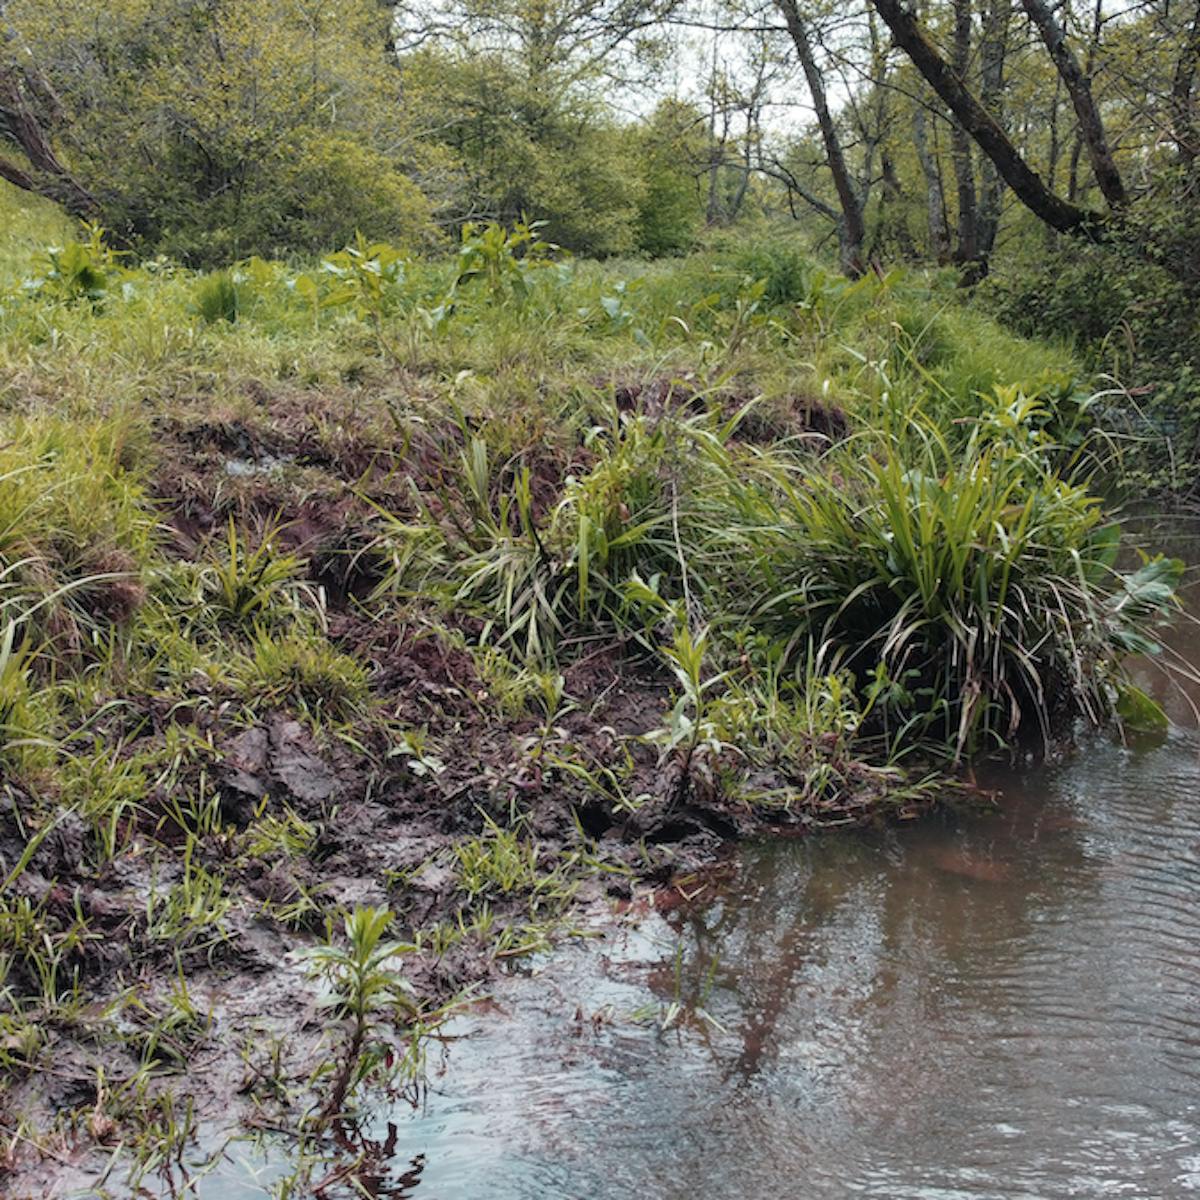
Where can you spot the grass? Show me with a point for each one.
(370, 594)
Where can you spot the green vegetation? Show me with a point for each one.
(445, 485)
(395, 593)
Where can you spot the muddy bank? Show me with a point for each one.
(334, 745)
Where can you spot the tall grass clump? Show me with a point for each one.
(217, 298)
(537, 574)
(75, 530)
(968, 584)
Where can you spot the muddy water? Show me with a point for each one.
(995, 1007)
(1003, 1005)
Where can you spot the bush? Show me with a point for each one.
(217, 298)
(1130, 317)
(786, 269)
(272, 143)
(332, 185)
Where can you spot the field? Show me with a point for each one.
(365, 622)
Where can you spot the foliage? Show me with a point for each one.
(669, 214)
(217, 297)
(243, 582)
(78, 270)
(272, 141)
(594, 550)
(365, 988)
(981, 582)
(529, 146)
(1131, 318)
(501, 260)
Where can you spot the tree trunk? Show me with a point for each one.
(1055, 150)
(1089, 70)
(1054, 154)
(735, 205)
(716, 149)
(982, 126)
(45, 175)
(1079, 88)
(851, 228)
(1187, 140)
(993, 47)
(935, 200)
(967, 249)
(891, 210)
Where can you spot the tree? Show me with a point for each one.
(1091, 126)
(29, 111)
(851, 228)
(521, 149)
(671, 149)
(213, 129)
(513, 91)
(981, 125)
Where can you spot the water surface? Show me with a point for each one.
(995, 1005)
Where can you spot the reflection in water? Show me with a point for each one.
(996, 1006)
(988, 1007)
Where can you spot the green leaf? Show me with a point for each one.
(1138, 711)
(1104, 544)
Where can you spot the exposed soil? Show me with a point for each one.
(385, 826)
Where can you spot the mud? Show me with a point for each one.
(383, 831)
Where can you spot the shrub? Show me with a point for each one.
(1128, 308)
(786, 269)
(217, 298)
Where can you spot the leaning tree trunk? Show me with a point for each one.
(1089, 70)
(45, 175)
(851, 227)
(1026, 184)
(1079, 88)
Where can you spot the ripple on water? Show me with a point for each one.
(999, 1007)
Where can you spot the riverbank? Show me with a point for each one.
(368, 627)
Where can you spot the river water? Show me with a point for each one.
(996, 1007)
(990, 1005)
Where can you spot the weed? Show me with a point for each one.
(244, 583)
(77, 271)
(303, 671)
(217, 297)
(190, 914)
(363, 988)
(502, 261)
(690, 737)
(974, 572)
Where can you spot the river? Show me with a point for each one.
(984, 1005)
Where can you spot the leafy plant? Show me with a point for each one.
(77, 271)
(690, 737)
(217, 298)
(366, 277)
(363, 987)
(242, 582)
(501, 261)
(974, 571)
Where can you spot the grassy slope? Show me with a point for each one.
(329, 607)
(26, 226)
